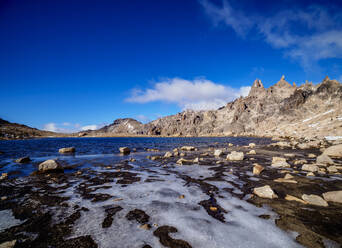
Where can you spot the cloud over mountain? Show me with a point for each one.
(197, 94)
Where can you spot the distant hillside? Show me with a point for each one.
(10, 130)
(281, 110)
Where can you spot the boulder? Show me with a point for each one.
(233, 156)
(196, 160)
(50, 165)
(324, 159)
(315, 200)
(265, 192)
(293, 198)
(67, 150)
(311, 155)
(333, 196)
(257, 169)
(289, 155)
(3, 176)
(279, 162)
(218, 153)
(125, 150)
(332, 169)
(310, 167)
(288, 176)
(168, 155)
(188, 148)
(230, 145)
(251, 152)
(310, 174)
(282, 144)
(8, 244)
(284, 180)
(251, 145)
(23, 160)
(334, 151)
(300, 161)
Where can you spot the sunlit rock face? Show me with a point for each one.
(281, 110)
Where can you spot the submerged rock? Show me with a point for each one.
(67, 150)
(125, 150)
(265, 192)
(50, 165)
(235, 156)
(334, 151)
(315, 200)
(23, 160)
(333, 196)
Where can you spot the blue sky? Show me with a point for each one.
(68, 65)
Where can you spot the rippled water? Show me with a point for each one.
(102, 148)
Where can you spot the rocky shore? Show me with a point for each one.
(284, 194)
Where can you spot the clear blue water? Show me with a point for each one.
(94, 150)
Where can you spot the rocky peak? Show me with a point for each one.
(257, 89)
(282, 89)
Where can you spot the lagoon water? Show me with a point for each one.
(47, 148)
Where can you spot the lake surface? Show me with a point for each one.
(41, 149)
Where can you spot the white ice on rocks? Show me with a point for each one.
(7, 219)
(160, 200)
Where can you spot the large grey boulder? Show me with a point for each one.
(333, 196)
(50, 165)
(334, 151)
(67, 150)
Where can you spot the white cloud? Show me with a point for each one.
(67, 127)
(143, 118)
(198, 94)
(89, 127)
(307, 35)
(50, 127)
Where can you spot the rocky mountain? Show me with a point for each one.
(281, 110)
(10, 130)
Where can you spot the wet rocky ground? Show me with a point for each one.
(148, 200)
